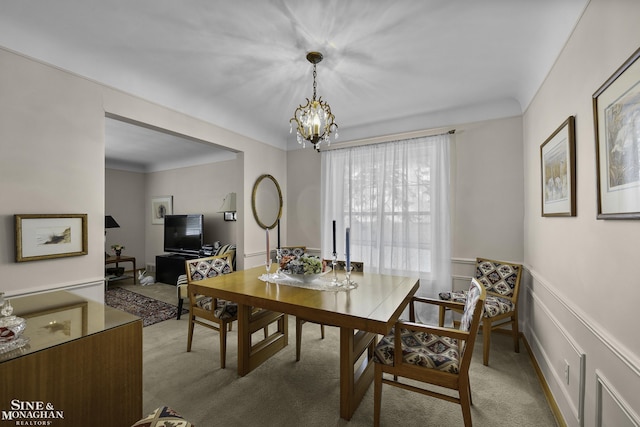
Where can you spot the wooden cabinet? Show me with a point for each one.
(169, 267)
(93, 379)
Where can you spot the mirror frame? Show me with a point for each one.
(253, 201)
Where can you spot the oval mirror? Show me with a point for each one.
(266, 201)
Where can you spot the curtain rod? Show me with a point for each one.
(390, 138)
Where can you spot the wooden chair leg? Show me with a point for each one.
(516, 333)
(180, 302)
(441, 316)
(298, 337)
(322, 331)
(377, 395)
(486, 335)
(190, 335)
(465, 403)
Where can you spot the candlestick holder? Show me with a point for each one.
(267, 266)
(347, 282)
(278, 259)
(334, 264)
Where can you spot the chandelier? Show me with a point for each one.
(314, 120)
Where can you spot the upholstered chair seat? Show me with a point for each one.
(415, 356)
(181, 283)
(493, 306)
(213, 313)
(421, 349)
(502, 283)
(224, 310)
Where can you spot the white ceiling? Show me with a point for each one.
(389, 66)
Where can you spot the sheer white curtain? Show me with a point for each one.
(395, 199)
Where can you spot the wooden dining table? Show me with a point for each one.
(372, 308)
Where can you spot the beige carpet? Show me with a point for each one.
(283, 392)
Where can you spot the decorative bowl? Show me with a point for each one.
(306, 278)
(11, 327)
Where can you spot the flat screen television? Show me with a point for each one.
(183, 233)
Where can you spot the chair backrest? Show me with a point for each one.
(356, 266)
(470, 322)
(296, 251)
(204, 268)
(499, 278)
(227, 249)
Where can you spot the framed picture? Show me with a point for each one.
(616, 111)
(558, 171)
(57, 325)
(161, 206)
(50, 236)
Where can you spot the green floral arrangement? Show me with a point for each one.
(117, 247)
(306, 264)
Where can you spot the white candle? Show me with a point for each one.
(268, 254)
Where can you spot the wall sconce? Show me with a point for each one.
(228, 207)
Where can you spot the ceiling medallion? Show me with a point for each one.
(314, 120)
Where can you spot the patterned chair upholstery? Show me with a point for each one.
(433, 355)
(181, 283)
(356, 266)
(163, 417)
(219, 313)
(502, 283)
(296, 251)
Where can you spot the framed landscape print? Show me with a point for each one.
(161, 206)
(616, 111)
(45, 236)
(558, 171)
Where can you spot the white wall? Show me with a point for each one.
(583, 284)
(125, 201)
(302, 199)
(195, 190)
(52, 161)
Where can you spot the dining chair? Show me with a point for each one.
(502, 282)
(182, 282)
(340, 266)
(296, 251)
(219, 313)
(415, 353)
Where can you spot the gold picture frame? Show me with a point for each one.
(46, 236)
(558, 171)
(616, 112)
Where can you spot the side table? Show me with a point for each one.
(118, 259)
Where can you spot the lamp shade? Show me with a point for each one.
(109, 222)
(229, 203)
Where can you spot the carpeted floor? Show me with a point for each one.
(283, 392)
(151, 310)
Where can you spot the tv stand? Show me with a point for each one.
(170, 266)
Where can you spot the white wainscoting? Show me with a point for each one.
(92, 289)
(553, 346)
(611, 408)
(604, 376)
